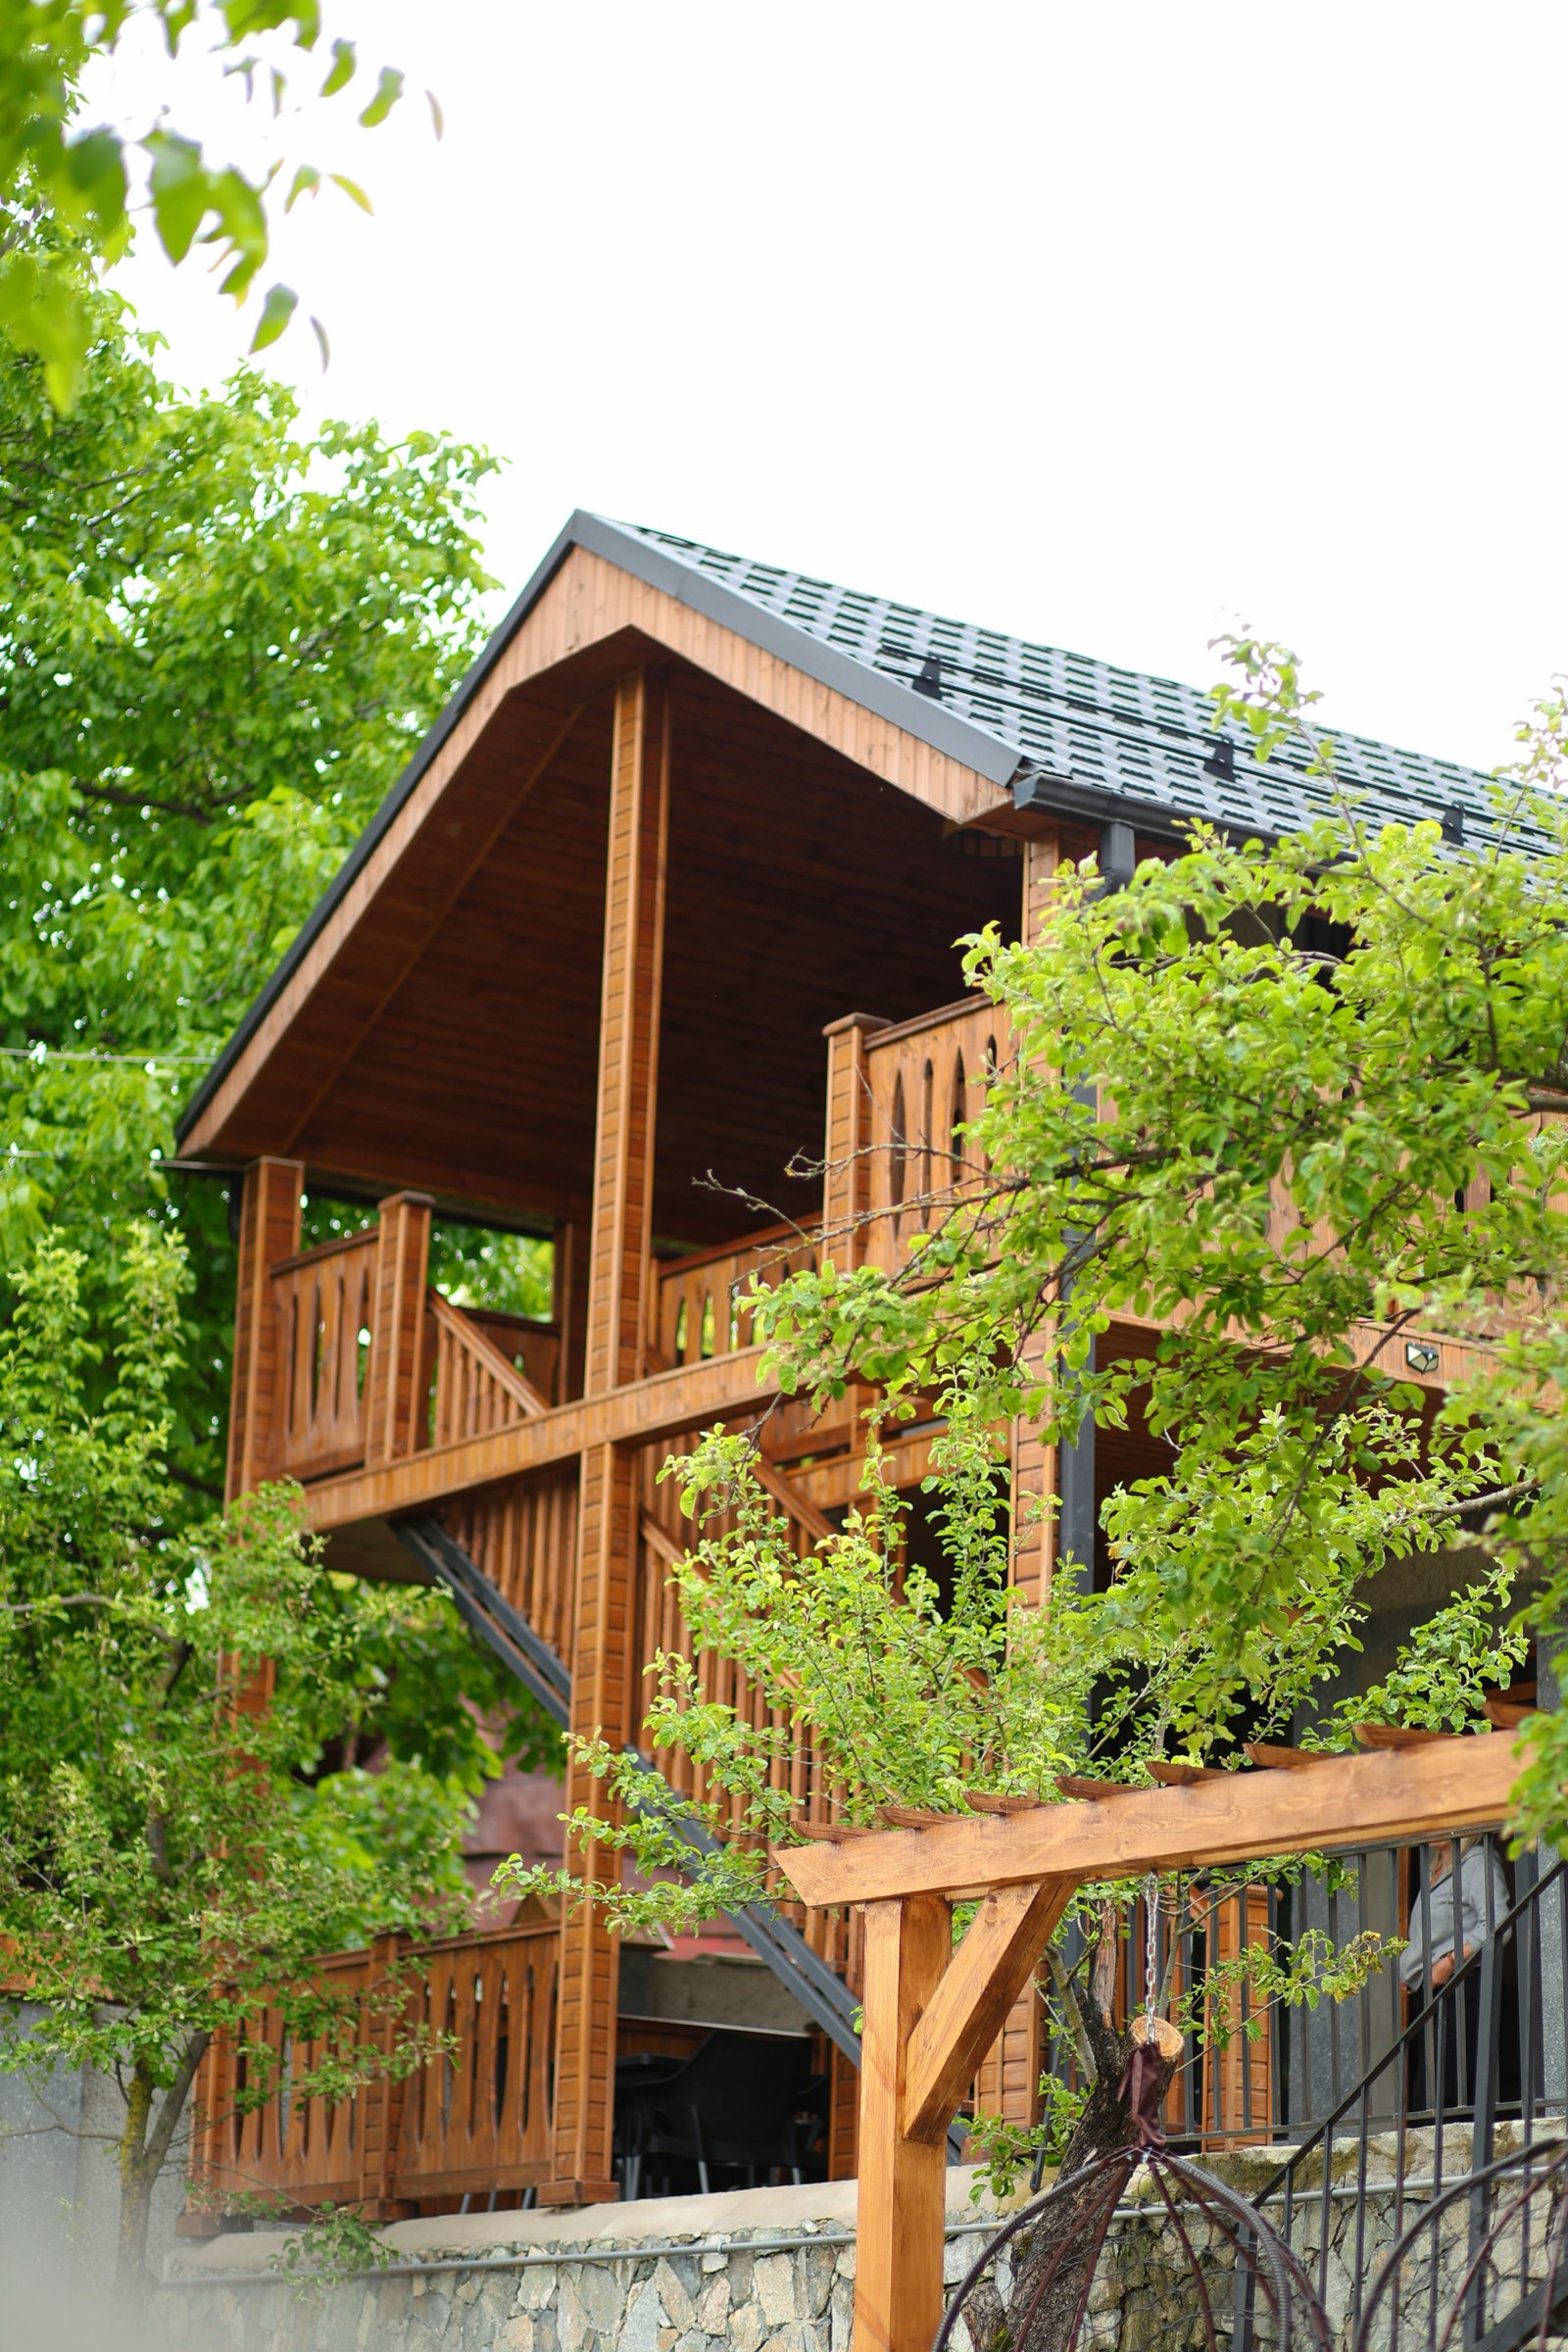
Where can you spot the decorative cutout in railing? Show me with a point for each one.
(701, 1308)
(924, 1078)
(325, 1303)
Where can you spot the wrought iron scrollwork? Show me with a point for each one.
(1219, 2271)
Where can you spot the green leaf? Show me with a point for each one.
(95, 177)
(307, 179)
(277, 310)
(352, 189)
(342, 69)
(388, 90)
(437, 117)
(181, 189)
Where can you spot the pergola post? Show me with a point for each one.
(898, 2263)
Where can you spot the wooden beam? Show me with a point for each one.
(723, 1388)
(268, 1230)
(898, 2261)
(791, 1500)
(969, 2006)
(1394, 1794)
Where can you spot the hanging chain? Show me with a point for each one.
(1150, 1950)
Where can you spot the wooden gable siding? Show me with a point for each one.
(435, 840)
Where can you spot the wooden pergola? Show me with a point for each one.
(933, 2008)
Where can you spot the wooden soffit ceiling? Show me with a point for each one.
(590, 621)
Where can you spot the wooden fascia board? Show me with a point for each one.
(587, 598)
(640, 1414)
(1392, 1793)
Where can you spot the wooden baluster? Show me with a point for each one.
(393, 1423)
(269, 1230)
(443, 1427)
(382, 2102)
(620, 1305)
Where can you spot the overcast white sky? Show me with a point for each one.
(1106, 323)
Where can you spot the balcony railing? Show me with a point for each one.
(701, 1308)
(374, 1364)
(923, 1079)
(473, 2118)
(325, 1304)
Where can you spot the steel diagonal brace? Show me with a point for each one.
(821, 1991)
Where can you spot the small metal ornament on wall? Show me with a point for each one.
(1209, 2266)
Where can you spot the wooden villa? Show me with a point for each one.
(667, 902)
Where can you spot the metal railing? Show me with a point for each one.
(1262, 2071)
(1427, 2206)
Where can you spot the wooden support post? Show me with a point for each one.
(620, 1250)
(381, 2102)
(1042, 859)
(589, 1957)
(268, 1230)
(619, 1284)
(902, 2199)
(847, 1175)
(1033, 1458)
(397, 1402)
(1034, 1523)
(569, 1306)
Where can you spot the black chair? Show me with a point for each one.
(740, 2103)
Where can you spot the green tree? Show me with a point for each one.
(170, 1860)
(219, 642)
(1291, 1102)
(72, 184)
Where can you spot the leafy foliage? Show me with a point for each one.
(63, 179)
(218, 641)
(172, 1854)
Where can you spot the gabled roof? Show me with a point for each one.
(1067, 721)
(1065, 732)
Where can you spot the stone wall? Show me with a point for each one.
(759, 2271)
(751, 2271)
